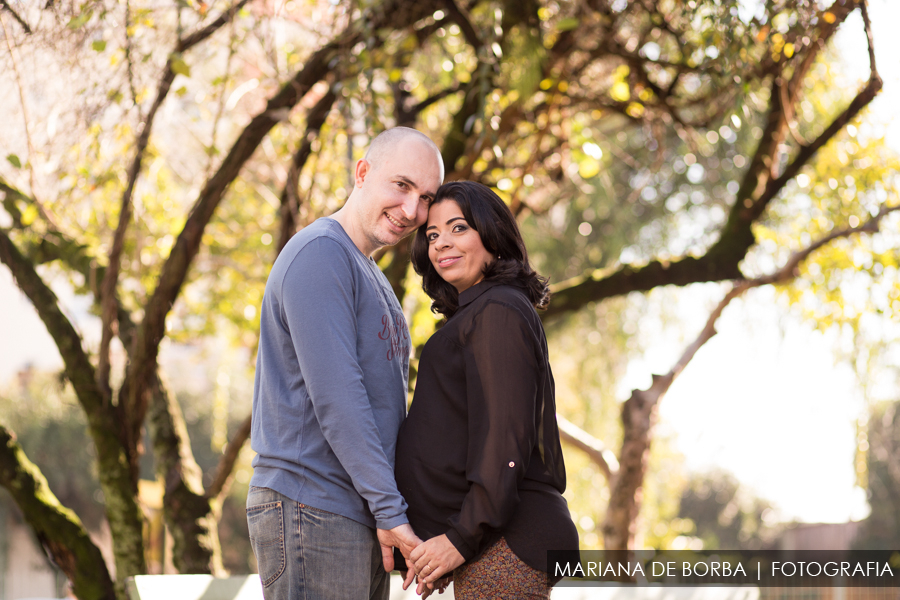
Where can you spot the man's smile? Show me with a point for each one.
(395, 222)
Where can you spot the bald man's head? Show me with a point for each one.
(391, 140)
(393, 186)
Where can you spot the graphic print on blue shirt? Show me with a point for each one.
(397, 333)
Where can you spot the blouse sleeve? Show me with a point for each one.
(502, 379)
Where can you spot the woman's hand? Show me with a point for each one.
(433, 559)
(439, 586)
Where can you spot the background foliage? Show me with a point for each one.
(158, 155)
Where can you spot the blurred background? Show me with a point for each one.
(653, 152)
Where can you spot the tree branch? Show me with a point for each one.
(52, 243)
(108, 301)
(129, 60)
(435, 98)
(16, 16)
(229, 458)
(78, 367)
(188, 42)
(639, 411)
(867, 25)
(806, 152)
(575, 293)
(599, 454)
(115, 465)
(465, 25)
(58, 528)
(290, 198)
(759, 187)
(32, 153)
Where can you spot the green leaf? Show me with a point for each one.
(14, 161)
(99, 45)
(567, 24)
(179, 67)
(80, 20)
(181, 91)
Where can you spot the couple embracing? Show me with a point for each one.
(468, 486)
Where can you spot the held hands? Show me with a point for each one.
(439, 586)
(432, 560)
(401, 537)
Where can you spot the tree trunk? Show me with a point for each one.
(188, 513)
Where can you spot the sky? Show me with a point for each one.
(763, 399)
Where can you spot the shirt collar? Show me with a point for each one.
(468, 296)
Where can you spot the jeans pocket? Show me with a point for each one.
(266, 525)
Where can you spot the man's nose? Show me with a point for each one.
(410, 206)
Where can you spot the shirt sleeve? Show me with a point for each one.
(502, 379)
(318, 301)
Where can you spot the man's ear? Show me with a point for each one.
(363, 168)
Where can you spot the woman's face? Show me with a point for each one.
(454, 248)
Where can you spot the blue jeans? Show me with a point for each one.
(305, 553)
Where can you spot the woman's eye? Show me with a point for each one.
(459, 228)
(431, 237)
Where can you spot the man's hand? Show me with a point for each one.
(433, 559)
(401, 537)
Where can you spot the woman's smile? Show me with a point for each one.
(454, 247)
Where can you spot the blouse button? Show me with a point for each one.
(511, 464)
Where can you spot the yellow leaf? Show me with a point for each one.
(829, 17)
(588, 168)
(789, 50)
(620, 92)
(29, 215)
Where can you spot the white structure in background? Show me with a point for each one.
(25, 571)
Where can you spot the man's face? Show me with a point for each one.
(397, 191)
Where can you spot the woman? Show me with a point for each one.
(478, 458)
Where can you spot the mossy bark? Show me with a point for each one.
(58, 528)
(189, 515)
(115, 459)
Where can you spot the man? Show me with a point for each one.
(330, 392)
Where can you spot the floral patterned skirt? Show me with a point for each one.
(499, 575)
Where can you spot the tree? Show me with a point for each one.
(205, 134)
(725, 516)
(881, 528)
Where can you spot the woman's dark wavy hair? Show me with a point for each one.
(487, 214)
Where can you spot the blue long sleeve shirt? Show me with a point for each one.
(331, 380)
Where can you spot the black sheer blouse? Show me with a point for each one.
(479, 455)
